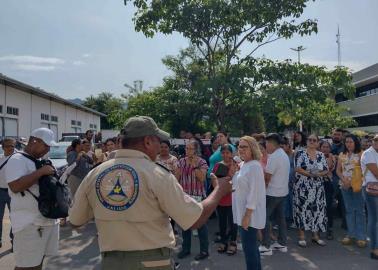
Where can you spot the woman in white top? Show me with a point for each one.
(369, 166)
(248, 200)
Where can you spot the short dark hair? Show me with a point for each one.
(110, 140)
(357, 143)
(227, 147)
(339, 130)
(74, 143)
(274, 137)
(285, 140)
(324, 142)
(166, 142)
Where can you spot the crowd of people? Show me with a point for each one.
(260, 185)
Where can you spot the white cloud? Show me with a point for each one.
(32, 63)
(86, 55)
(31, 67)
(78, 63)
(29, 59)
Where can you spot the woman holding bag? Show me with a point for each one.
(349, 172)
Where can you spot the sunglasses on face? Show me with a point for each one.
(312, 140)
(242, 146)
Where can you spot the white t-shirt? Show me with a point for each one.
(368, 157)
(278, 166)
(3, 182)
(24, 209)
(249, 186)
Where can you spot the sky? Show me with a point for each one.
(80, 48)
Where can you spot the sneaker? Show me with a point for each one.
(277, 246)
(265, 251)
(177, 265)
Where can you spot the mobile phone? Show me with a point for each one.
(221, 171)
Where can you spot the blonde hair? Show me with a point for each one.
(253, 144)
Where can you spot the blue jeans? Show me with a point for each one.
(203, 236)
(250, 248)
(372, 208)
(4, 201)
(355, 214)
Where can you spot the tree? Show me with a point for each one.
(225, 33)
(291, 92)
(108, 104)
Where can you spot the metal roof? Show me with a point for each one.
(42, 93)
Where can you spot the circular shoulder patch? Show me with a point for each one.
(117, 187)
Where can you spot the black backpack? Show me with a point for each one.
(54, 197)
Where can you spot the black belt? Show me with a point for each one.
(4, 189)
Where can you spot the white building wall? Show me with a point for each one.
(39, 106)
(59, 110)
(21, 100)
(30, 107)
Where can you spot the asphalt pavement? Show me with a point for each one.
(79, 250)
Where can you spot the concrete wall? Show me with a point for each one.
(362, 106)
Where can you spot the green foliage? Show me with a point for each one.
(217, 30)
(108, 104)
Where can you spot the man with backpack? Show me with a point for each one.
(35, 236)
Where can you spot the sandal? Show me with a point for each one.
(319, 242)
(302, 243)
(232, 249)
(222, 248)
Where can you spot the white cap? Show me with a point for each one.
(45, 134)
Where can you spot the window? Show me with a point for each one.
(45, 117)
(12, 110)
(1, 108)
(73, 122)
(78, 123)
(95, 126)
(368, 120)
(54, 118)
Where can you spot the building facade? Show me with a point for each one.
(24, 108)
(364, 108)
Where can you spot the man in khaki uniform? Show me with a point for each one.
(131, 199)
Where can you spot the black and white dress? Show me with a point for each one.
(309, 202)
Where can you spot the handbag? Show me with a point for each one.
(357, 179)
(372, 188)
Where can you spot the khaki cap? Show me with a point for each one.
(140, 126)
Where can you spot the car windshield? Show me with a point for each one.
(58, 152)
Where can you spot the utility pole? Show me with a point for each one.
(338, 41)
(299, 49)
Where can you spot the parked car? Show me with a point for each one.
(58, 154)
(69, 138)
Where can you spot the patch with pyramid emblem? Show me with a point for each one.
(117, 187)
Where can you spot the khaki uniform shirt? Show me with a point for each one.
(130, 198)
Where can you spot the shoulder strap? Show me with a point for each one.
(6, 161)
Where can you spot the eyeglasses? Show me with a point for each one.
(312, 140)
(242, 146)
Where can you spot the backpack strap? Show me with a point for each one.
(37, 165)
